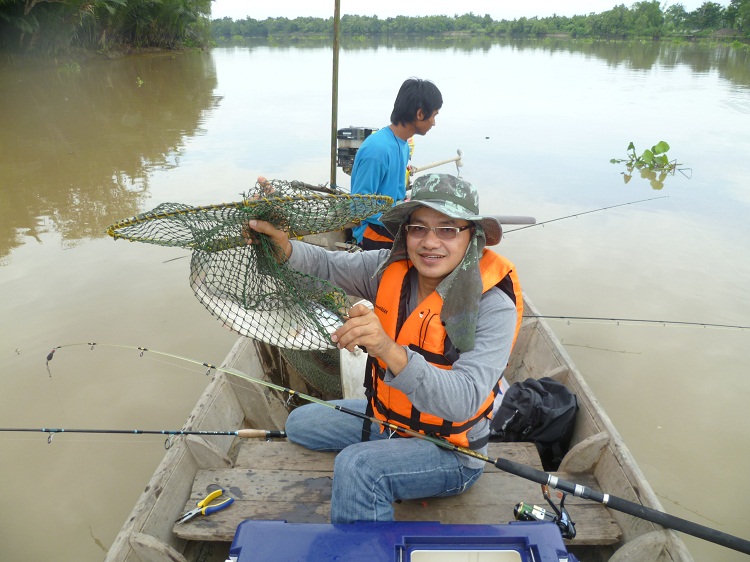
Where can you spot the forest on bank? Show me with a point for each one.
(56, 27)
(641, 20)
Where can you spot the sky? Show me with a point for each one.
(497, 9)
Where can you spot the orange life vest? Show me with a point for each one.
(376, 237)
(424, 332)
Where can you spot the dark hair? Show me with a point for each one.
(413, 95)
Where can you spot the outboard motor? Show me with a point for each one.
(349, 140)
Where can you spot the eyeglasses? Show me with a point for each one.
(442, 232)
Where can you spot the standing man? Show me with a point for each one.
(380, 163)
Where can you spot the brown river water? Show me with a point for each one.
(84, 146)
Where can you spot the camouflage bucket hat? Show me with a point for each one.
(449, 195)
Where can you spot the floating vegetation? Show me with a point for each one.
(653, 164)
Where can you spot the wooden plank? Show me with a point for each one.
(539, 358)
(264, 485)
(269, 455)
(276, 454)
(492, 499)
(306, 498)
(221, 526)
(616, 482)
(151, 549)
(307, 493)
(523, 453)
(523, 340)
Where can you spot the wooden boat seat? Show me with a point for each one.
(278, 480)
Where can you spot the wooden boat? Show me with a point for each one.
(278, 480)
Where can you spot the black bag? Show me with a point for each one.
(542, 411)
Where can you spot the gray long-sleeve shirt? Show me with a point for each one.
(474, 373)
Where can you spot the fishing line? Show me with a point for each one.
(632, 320)
(511, 467)
(151, 357)
(585, 213)
(640, 321)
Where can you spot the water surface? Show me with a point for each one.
(538, 124)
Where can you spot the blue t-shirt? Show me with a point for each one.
(380, 168)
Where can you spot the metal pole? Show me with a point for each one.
(335, 87)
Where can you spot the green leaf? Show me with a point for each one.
(631, 146)
(647, 156)
(660, 148)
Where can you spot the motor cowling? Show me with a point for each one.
(348, 141)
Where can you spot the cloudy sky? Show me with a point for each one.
(497, 9)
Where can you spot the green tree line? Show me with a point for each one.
(641, 20)
(52, 27)
(59, 26)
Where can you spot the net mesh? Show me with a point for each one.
(321, 370)
(244, 285)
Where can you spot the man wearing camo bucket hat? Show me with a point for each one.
(447, 312)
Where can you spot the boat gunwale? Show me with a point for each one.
(643, 493)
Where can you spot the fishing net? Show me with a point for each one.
(243, 284)
(321, 370)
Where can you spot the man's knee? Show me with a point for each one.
(348, 460)
(296, 424)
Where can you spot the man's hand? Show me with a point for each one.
(363, 329)
(279, 237)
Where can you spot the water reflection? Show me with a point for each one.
(731, 64)
(79, 142)
(655, 178)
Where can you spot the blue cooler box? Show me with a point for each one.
(398, 541)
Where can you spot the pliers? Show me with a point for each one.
(205, 507)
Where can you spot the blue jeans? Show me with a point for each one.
(369, 476)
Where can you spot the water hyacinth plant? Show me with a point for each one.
(653, 164)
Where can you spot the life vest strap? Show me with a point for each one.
(412, 422)
(369, 394)
(430, 357)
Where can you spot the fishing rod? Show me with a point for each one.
(640, 321)
(618, 504)
(241, 433)
(586, 213)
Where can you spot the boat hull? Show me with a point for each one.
(598, 453)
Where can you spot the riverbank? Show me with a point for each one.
(75, 58)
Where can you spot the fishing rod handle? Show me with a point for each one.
(259, 434)
(513, 219)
